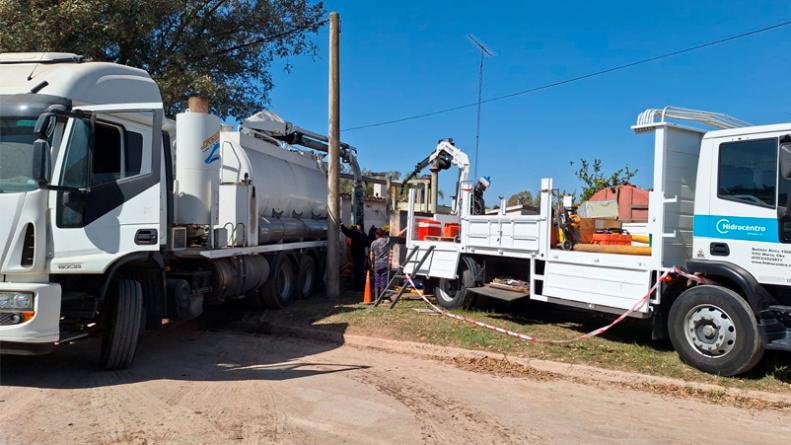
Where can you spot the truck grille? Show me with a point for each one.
(7, 319)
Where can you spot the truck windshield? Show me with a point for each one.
(16, 154)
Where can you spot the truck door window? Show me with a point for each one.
(117, 154)
(75, 167)
(107, 165)
(133, 153)
(748, 172)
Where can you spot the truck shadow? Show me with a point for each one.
(182, 353)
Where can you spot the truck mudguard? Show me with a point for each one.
(748, 286)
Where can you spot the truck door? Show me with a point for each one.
(746, 223)
(110, 204)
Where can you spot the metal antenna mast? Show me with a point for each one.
(484, 53)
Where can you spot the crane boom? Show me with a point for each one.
(444, 155)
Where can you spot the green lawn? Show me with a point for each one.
(627, 346)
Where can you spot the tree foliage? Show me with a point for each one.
(347, 185)
(594, 180)
(219, 49)
(521, 198)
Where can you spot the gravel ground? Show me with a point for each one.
(201, 387)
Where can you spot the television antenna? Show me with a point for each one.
(485, 52)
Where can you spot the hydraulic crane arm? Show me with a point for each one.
(443, 157)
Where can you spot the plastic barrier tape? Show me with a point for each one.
(591, 334)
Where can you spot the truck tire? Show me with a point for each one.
(714, 329)
(124, 319)
(281, 287)
(453, 294)
(307, 277)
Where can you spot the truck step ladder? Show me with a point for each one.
(400, 275)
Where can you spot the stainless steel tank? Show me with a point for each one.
(290, 186)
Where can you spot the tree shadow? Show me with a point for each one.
(185, 353)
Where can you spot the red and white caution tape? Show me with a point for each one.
(591, 334)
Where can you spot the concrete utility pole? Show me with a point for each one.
(333, 170)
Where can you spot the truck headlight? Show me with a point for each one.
(16, 301)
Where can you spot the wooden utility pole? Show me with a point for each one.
(333, 170)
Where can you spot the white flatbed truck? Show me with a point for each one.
(719, 207)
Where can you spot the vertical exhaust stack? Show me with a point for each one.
(197, 165)
(197, 104)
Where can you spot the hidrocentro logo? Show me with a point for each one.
(724, 226)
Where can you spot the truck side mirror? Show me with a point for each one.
(43, 123)
(42, 161)
(785, 156)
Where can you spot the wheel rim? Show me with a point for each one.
(446, 290)
(283, 283)
(710, 330)
(307, 284)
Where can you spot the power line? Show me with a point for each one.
(577, 78)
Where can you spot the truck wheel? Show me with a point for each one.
(714, 329)
(279, 290)
(124, 322)
(307, 277)
(453, 294)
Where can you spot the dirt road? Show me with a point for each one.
(197, 387)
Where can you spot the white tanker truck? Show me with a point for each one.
(116, 218)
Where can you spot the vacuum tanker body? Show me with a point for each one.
(254, 204)
(289, 196)
(156, 220)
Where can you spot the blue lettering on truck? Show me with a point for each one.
(764, 230)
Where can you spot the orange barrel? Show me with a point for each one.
(451, 230)
(428, 227)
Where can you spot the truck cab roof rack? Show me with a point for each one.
(651, 117)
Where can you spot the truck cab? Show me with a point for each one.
(77, 140)
(742, 212)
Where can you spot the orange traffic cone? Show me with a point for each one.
(367, 298)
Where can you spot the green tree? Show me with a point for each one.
(220, 49)
(347, 185)
(521, 198)
(594, 180)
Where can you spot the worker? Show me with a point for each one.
(478, 204)
(380, 260)
(359, 242)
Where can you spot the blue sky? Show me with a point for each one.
(404, 58)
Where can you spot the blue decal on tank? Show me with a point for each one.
(213, 156)
(737, 228)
